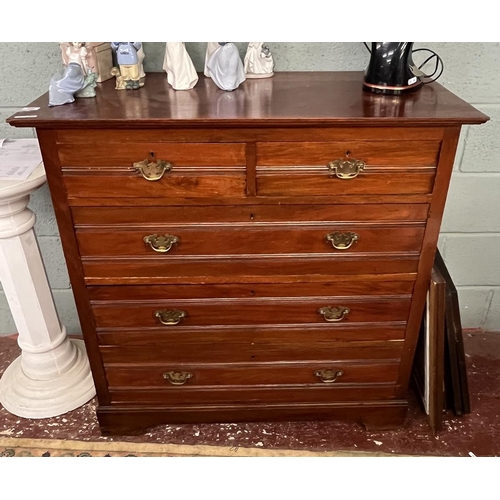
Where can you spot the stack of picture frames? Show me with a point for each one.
(439, 370)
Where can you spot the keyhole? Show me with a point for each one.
(347, 153)
(252, 216)
(253, 358)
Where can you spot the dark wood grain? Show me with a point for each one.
(299, 99)
(288, 215)
(248, 240)
(249, 311)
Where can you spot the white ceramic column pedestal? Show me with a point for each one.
(52, 376)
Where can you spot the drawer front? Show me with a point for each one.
(114, 217)
(247, 395)
(373, 153)
(247, 239)
(179, 154)
(173, 314)
(305, 168)
(192, 375)
(181, 270)
(311, 181)
(182, 183)
(259, 351)
(204, 340)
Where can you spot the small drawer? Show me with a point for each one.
(406, 154)
(346, 168)
(186, 375)
(177, 314)
(178, 183)
(180, 155)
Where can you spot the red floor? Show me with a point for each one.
(476, 434)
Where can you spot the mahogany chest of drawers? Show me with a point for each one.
(250, 255)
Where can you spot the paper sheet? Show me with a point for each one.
(18, 158)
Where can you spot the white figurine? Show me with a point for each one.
(181, 73)
(211, 48)
(225, 67)
(258, 61)
(141, 56)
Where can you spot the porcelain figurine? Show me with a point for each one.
(181, 73)
(62, 89)
(141, 56)
(258, 61)
(211, 48)
(225, 67)
(128, 61)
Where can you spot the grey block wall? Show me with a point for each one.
(470, 238)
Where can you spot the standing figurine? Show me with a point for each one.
(258, 61)
(211, 48)
(181, 73)
(128, 61)
(141, 56)
(225, 67)
(76, 77)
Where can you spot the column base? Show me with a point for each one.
(28, 398)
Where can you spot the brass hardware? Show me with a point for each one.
(170, 318)
(342, 241)
(161, 244)
(152, 169)
(328, 376)
(177, 378)
(334, 314)
(346, 168)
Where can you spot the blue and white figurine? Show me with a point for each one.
(77, 78)
(225, 67)
(128, 60)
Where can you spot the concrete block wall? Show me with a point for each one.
(470, 238)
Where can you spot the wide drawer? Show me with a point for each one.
(181, 376)
(264, 269)
(133, 217)
(205, 312)
(260, 350)
(247, 395)
(246, 239)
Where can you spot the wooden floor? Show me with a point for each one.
(477, 434)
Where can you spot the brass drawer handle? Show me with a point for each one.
(177, 378)
(342, 241)
(346, 168)
(334, 314)
(161, 244)
(328, 376)
(170, 317)
(152, 169)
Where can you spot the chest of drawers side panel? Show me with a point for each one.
(47, 141)
(431, 235)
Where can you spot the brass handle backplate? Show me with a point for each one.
(342, 241)
(161, 244)
(328, 376)
(170, 317)
(152, 169)
(334, 314)
(177, 378)
(346, 168)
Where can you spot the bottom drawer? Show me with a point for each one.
(253, 395)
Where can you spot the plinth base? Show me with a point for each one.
(28, 398)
